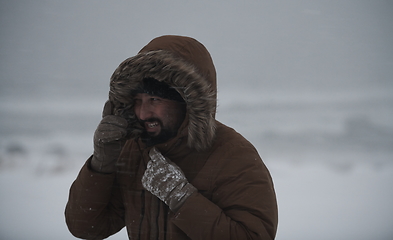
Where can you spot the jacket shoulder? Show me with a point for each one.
(228, 138)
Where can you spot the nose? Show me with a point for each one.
(143, 110)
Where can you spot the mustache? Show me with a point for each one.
(142, 122)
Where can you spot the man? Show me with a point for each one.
(162, 166)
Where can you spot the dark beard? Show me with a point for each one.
(163, 136)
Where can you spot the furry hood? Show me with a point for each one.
(184, 64)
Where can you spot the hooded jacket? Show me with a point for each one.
(235, 198)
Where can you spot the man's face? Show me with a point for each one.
(160, 117)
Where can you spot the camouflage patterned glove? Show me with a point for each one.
(109, 139)
(166, 180)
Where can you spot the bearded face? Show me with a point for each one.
(160, 117)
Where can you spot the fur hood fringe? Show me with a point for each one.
(174, 66)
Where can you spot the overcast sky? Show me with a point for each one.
(72, 47)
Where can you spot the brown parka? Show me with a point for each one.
(235, 198)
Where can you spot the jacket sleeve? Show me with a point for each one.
(243, 202)
(94, 209)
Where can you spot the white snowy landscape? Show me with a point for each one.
(309, 83)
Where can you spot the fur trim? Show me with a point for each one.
(164, 66)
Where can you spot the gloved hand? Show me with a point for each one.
(166, 180)
(109, 139)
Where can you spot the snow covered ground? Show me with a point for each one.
(330, 184)
(315, 200)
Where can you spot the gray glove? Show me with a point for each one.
(109, 139)
(166, 180)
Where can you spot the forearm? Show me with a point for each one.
(90, 211)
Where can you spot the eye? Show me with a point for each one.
(155, 99)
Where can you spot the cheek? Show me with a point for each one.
(167, 117)
(136, 110)
(177, 117)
